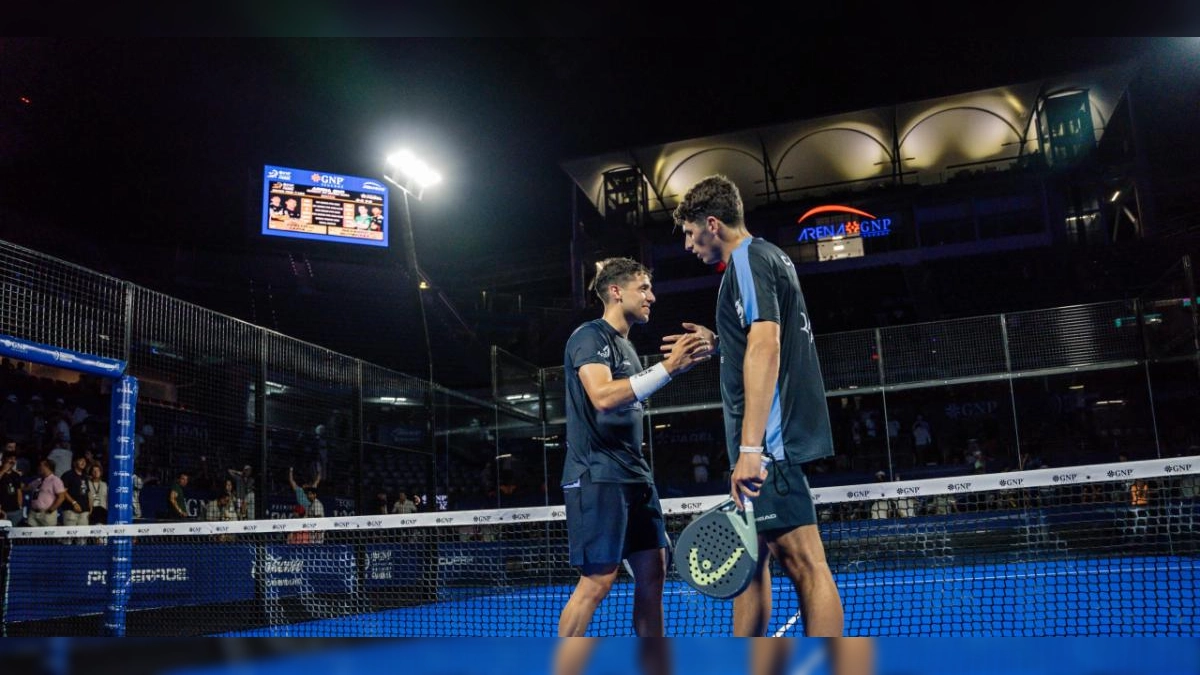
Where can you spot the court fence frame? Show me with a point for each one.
(221, 393)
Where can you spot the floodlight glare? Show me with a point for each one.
(412, 167)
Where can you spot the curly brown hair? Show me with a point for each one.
(713, 196)
(615, 270)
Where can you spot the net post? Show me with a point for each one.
(120, 501)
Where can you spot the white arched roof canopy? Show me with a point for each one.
(965, 129)
(682, 165)
(993, 125)
(837, 149)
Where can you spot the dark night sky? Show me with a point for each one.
(127, 141)
(166, 137)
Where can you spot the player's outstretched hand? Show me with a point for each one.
(686, 352)
(708, 338)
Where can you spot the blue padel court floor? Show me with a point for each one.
(1118, 597)
(728, 656)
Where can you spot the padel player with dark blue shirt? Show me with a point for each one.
(612, 507)
(773, 398)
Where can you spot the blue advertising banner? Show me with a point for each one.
(160, 576)
(396, 565)
(472, 562)
(302, 569)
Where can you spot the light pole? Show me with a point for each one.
(412, 176)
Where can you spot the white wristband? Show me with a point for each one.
(649, 381)
(754, 449)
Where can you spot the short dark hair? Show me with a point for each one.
(713, 196)
(615, 270)
(311, 489)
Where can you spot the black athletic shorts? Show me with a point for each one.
(608, 521)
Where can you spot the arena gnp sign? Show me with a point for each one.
(865, 225)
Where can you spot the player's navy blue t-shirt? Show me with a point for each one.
(608, 444)
(760, 284)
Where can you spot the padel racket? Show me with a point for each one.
(717, 552)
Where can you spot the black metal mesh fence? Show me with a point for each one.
(227, 401)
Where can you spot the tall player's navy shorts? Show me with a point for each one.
(785, 501)
(606, 522)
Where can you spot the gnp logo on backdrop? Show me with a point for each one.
(868, 226)
(322, 179)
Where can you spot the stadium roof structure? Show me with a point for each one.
(919, 142)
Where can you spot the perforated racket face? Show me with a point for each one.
(712, 557)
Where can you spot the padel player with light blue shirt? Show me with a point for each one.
(773, 397)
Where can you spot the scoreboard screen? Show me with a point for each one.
(306, 204)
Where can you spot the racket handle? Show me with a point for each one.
(767, 460)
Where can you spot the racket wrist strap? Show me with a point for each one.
(648, 381)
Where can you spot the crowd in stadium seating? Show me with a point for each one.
(53, 459)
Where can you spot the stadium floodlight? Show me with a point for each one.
(409, 172)
(412, 175)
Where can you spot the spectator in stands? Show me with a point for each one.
(881, 508)
(16, 420)
(39, 424)
(1139, 494)
(221, 508)
(61, 425)
(244, 487)
(508, 483)
(380, 505)
(299, 490)
(177, 497)
(906, 507)
(1189, 485)
(315, 508)
(403, 504)
(97, 489)
(12, 486)
(1188, 491)
(943, 505)
(22, 458)
(975, 457)
(77, 414)
(138, 484)
(62, 456)
(48, 494)
(700, 466)
(922, 435)
(1139, 509)
(229, 487)
(78, 507)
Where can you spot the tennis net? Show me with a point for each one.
(1050, 552)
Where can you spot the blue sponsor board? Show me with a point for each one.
(290, 570)
(395, 565)
(160, 576)
(472, 562)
